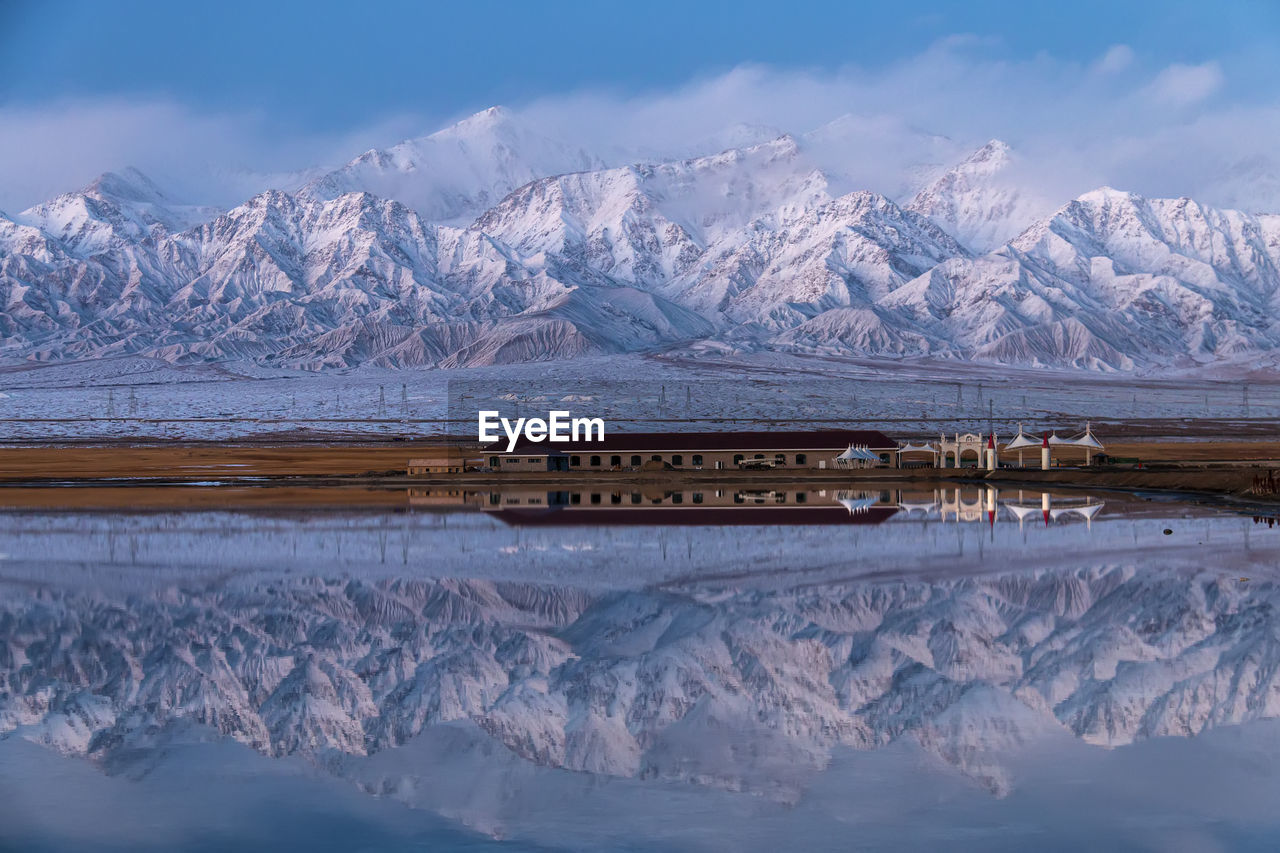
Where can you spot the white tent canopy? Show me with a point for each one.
(923, 448)
(1022, 440)
(857, 453)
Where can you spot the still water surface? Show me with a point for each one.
(772, 668)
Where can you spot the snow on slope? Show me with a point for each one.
(456, 173)
(748, 248)
(979, 202)
(114, 210)
(1109, 281)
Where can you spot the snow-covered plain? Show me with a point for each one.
(140, 398)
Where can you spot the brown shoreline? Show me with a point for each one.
(227, 460)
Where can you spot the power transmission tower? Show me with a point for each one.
(111, 403)
(404, 400)
(382, 403)
(133, 402)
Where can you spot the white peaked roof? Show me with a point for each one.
(1022, 440)
(858, 453)
(908, 447)
(1086, 439)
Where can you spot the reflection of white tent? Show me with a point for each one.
(1088, 511)
(1022, 512)
(856, 501)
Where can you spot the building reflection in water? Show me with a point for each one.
(766, 505)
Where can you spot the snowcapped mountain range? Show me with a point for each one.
(489, 243)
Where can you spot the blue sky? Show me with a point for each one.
(327, 65)
(219, 99)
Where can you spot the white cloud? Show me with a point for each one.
(219, 158)
(1076, 125)
(1182, 85)
(1117, 58)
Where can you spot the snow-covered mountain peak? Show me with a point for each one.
(127, 185)
(114, 210)
(489, 241)
(996, 154)
(456, 173)
(978, 201)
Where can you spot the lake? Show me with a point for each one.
(738, 668)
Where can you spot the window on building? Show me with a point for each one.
(615, 461)
(801, 459)
(677, 459)
(636, 498)
(575, 461)
(697, 459)
(655, 458)
(635, 460)
(495, 461)
(595, 461)
(737, 458)
(575, 498)
(495, 499)
(697, 497)
(615, 498)
(677, 498)
(758, 456)
(801, 497)
(595, 497)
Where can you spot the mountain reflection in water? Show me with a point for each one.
(473, 697)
